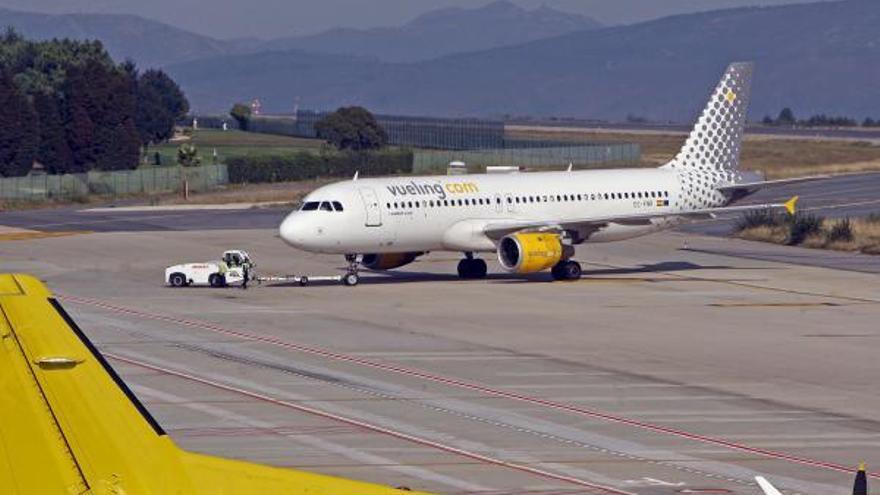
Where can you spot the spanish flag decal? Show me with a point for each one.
(662, 202)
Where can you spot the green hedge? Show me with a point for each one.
(305, 165)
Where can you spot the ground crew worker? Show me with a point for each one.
(246, 275)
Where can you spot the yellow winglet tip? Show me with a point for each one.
(791, 205)
(862, 466)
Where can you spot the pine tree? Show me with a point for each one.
(78, 121)
(18, 130)
(160, 103)
(53, 152)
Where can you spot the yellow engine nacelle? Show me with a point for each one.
(387, 261)
(529, 252)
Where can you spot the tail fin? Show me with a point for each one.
(710, 155)
(70, 425)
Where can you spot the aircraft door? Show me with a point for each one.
(371, 205)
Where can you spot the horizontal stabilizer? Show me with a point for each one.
(749, 187)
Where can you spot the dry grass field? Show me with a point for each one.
(865, 235)
(777, 158)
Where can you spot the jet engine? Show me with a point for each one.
(530, 252)
(387, 261)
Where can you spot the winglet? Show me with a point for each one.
(356, 173)
(791, 205)
(860, 487)
(766, 487)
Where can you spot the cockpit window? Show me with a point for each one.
(337, 206)
(310, 206)
(325, 206)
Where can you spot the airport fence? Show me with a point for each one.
(532, 155)
(115, 183)
(306, 165)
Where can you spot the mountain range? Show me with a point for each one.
(433, 34)
(442, 32)
(816, 58)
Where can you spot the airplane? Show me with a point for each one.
(533, 221)
(860, 485)
(69, 424)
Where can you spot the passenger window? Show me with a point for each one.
(310, 206)
(325, 206)
(337, 206)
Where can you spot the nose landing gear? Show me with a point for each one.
(472, 268)
(351, 277)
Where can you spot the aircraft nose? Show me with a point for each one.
(293, 230)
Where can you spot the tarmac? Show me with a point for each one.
(666, 369)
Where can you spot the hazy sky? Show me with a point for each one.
(275, 18)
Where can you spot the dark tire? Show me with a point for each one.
(566, 270)
(479, 267)
(351, 279)
(303, 281)
(177, 280)
(216, 280)
(571, 270)
(472, 268)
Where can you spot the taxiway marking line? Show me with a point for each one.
(368, 426)
(458, 383)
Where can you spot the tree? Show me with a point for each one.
(160, 104)
(786, 117)
(53, 152)
(242, 114)
(188, 155)
(18, 130)
(767, 120)
(352, 128)
(869, 122)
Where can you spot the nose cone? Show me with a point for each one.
(293, 230)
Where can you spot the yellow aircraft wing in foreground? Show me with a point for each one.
(69, 425)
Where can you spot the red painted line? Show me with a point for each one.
(368, 426)
(454, 382)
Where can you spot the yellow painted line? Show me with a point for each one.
(33, 234)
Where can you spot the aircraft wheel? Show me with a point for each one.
(566, 270)
(303, 281)
(472, 268)
(351, 279)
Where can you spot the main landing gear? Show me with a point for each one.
(471, 268)
(566, 270)
(351, 277)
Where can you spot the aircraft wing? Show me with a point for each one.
(69, 424)
(750, 187)
(497, 230)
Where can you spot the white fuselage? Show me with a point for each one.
(431, 213)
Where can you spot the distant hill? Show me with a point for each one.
(820, 57)
(443, 32)
(147, 42)
(440, 32)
